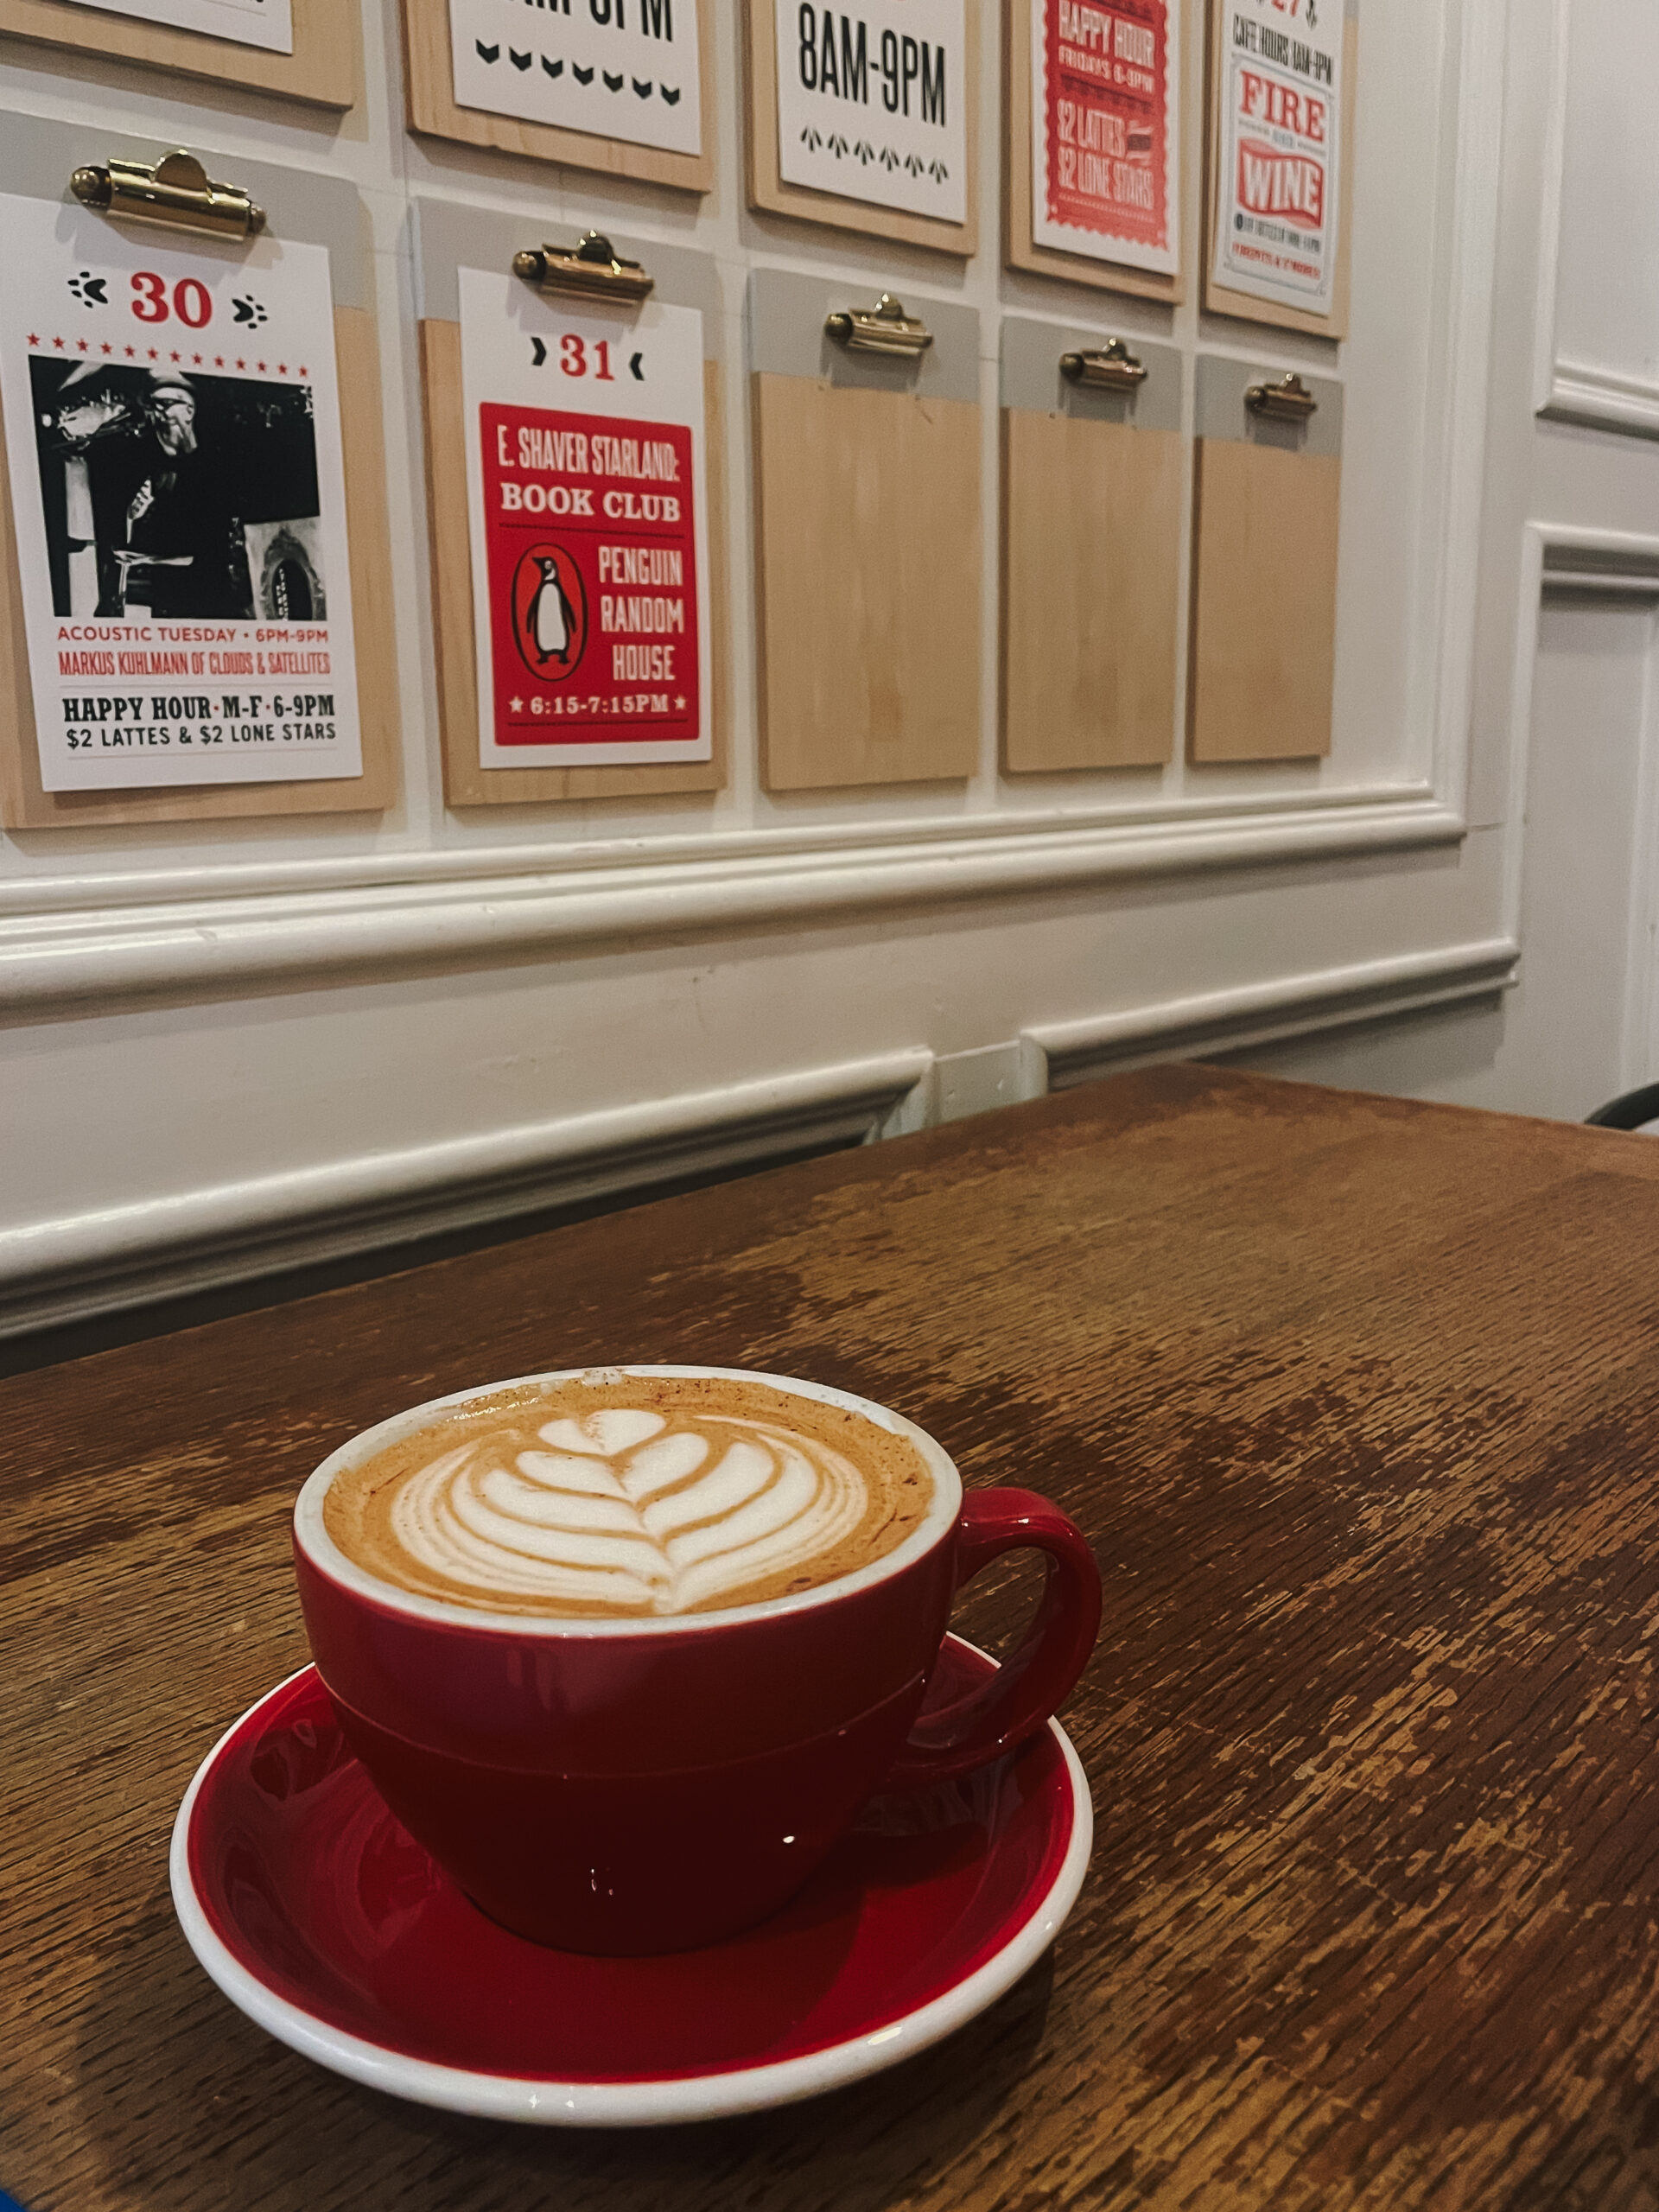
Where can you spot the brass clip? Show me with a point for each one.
(884, 328)
(1110, 367)
(593, 269)
(178, 191)
(1289, 400)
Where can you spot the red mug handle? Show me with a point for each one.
(998, 1716)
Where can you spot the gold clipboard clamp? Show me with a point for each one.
(177, 191)
(1287, 400)
(1110, 367)
(593, 270)
(884, 328)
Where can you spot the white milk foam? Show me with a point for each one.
(622, 1511)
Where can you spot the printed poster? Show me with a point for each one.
(1105, 130)
(625, 69)
(173, 435)
(873, 102)
(589, 538)
(1277, 220)
(246, 23)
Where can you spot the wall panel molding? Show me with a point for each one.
(435, 909)
(1268, 1013)
(107, 1261)
(56, 1271)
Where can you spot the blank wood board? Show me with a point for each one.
(772, 196)
(324, 70)
(1091, 547)
(1264, 602)
(1225, 299)
(465, 783)
(868, 548)
(25, 806)
(1019, 250)
(434, 112)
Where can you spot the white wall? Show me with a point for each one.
(226, 1048)
(1564, 709)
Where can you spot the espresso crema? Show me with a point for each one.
(620, 1494)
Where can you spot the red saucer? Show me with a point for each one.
(319, 1915)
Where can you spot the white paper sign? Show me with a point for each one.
(1277, 218)
(873, 102)
(585, 474)
(173, 433)
(625, 69)
(247, 22)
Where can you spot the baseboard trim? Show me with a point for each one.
(1262, 1014)
(55, 1273)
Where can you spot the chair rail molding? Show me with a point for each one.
(106, 939)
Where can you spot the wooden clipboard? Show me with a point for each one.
(36, 157)
(434, 112)
(1226, 299)
(769, 191)
(1094, 503)
(1019, 247)
(867, 543)
(324, 70)
(450, 237)
(1267, 500)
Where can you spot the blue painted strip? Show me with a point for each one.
(9, 2203)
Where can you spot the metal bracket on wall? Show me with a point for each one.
(177, 191)
(884, 328)
(593, 270)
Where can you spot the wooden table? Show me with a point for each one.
(1360, 1401)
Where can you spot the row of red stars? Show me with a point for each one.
(154, 354)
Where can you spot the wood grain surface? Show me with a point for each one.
(1357, 1399)
(1262, 646)
(434, 112)
(1226, 299)
(325, 69)
(867, 553)
(1092, 520)
(770, 193)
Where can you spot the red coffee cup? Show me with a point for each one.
(623, 1785)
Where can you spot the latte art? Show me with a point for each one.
(620, 1510)
(629, 1492)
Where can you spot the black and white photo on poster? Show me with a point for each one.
(171, 492)
(267, 24)
(873, 102)
(177, 473)
(623, 69)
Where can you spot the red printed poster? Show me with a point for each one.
(588, 537)
(1105, 130)
(592, 577)
(1276, 222)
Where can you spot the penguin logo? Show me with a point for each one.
(550, 612)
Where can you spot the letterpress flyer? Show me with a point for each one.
(623, 69)
(1105, 130)
(590, 539)
(174, 445)
(1277, 220)
(246, 23)
(873, 102)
